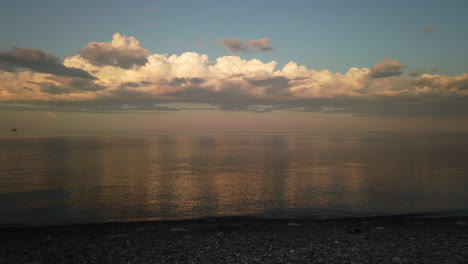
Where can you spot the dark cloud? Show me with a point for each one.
(236, 45)
(416, 72)
(52, 88)
(67, 85)
(244, 108)
(124, 52)
(195, 95)
(196, 80)
(126, 90)
(228, 99)
(229, 93)
(6, 67)
(386, 68)
(127, 93)
(96, 106)
(78, 84)
(189, 81)
(39, 61)
(232, 98)
(131, 84)
(437, 106)
(261, 44)
(177, 81)
(274, 85)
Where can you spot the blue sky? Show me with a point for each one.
(334, 35)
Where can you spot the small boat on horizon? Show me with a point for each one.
(14, 129)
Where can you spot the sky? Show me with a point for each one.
(237, 66)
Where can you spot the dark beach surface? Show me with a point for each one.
(390, 239)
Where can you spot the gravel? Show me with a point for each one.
(237, 240)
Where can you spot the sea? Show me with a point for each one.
(71, 178)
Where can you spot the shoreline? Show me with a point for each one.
(462, 214)
(383, 239)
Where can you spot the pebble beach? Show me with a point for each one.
(397, 239)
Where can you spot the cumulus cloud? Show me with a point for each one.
(124, 52)
(236, 45)
(446, 85)
(231, 83)
(386, 68)
(38, 61)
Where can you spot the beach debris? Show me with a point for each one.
(462, 223)
(337, 242)
(220, 234)
(396, 260)
(179, 229)
(294, 224)
(380, 228)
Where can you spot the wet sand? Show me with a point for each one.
(398, 239)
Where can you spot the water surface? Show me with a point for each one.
(81, 178)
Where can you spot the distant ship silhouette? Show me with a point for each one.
(14, 129)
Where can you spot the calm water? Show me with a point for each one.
(99, 178)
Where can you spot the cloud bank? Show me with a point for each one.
(121, 76)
